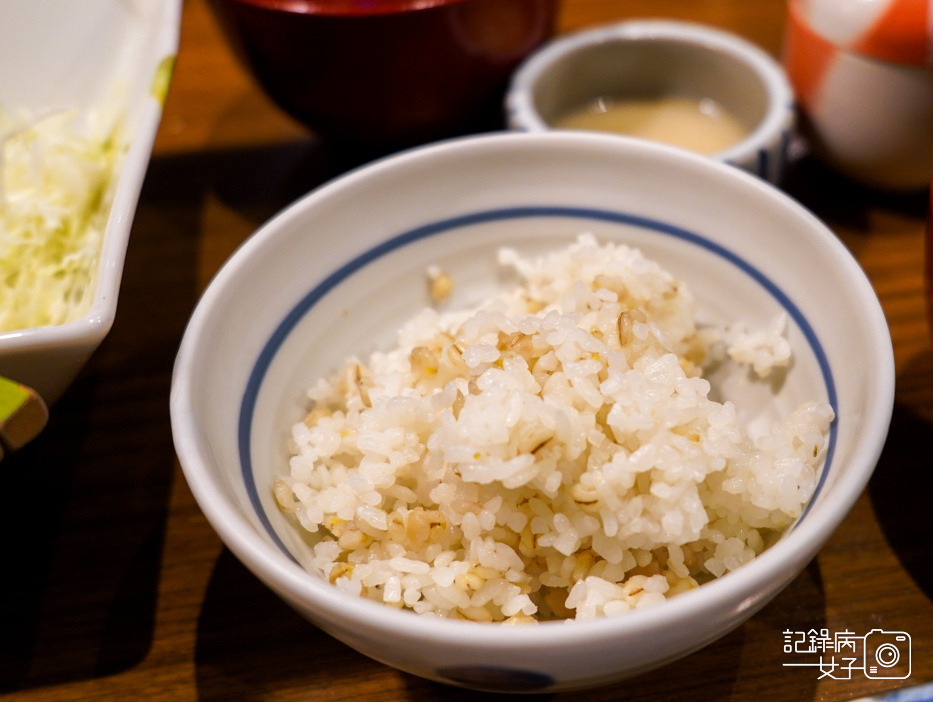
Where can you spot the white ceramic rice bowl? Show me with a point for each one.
(336, 273)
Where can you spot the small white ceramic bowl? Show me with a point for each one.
(659, 58)
(336, 273)
(86, 56)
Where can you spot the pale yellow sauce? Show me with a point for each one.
(699, 125)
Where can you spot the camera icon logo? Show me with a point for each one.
(887, 655)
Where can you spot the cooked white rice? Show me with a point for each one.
(553, 453)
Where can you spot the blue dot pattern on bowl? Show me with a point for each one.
(248, 404)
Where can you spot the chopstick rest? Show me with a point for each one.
(23, 415)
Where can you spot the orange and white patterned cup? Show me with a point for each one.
(862, 74)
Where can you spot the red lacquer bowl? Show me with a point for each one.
(386, 71)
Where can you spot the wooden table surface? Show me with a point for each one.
(117, 588)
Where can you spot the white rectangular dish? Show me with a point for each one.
(93, 56)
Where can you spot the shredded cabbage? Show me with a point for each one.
(56, 188)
